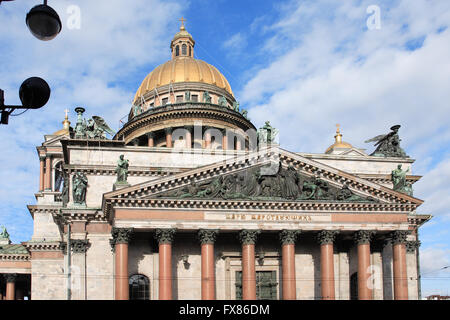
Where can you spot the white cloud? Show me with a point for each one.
(91, 67)
(330, 70)
(235, 42)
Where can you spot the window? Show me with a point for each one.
(59, 177)
(184, 49)
(266, 285)
(179, 98)
(177, 51)
(194, 97)
(164, 101)
(139, 287)
(190, 51)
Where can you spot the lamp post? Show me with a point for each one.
(34, 94)
(43, 21)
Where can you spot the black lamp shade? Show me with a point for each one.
(34, 93)
(43, 22)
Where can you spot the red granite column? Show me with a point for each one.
(48, 173)
(151, 141)
(362, 239)
(248, 240)
(399, 265)
(169, 137)
(326, 240)
(41, 173)
(207, 239)
(10, 286)
(121, 237)
(165, 239)
(288, 238)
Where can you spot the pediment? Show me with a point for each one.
(269, 175)
(54, 140)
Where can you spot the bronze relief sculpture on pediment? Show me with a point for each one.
(259, 183)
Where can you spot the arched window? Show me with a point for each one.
(184, 49)
(177, 51)
(59, 177)
(139, 287)
(190, 51)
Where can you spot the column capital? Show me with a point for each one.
(326, 236)
(120, 235)
(248, 236)
(399, 236)
(411, 246)
(288, 236)
(363, 236)
(79, 245)
(168, 130)
(10, 277)
(165, 236)
(151, 134)
(207, 236)
(42, 158)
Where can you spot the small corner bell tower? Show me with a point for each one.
(182, 44)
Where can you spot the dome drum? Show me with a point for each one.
(175, 94)
(176, 115)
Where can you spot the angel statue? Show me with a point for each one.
(97, 128)
(388, 145)
(94, 128)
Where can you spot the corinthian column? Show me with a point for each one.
(326, 240)
(399, 262)
(288, 238)
(168, 137)
(10, 286)
(41, 173)
(248, 240)
(207, 239)
(362, 239)
(48, 173)
(151, 139)
(165, 239)
(121, 238)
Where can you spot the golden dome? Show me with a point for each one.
(182, 68)
(338, 142)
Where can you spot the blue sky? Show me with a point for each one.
(304, 65)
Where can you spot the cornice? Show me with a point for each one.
(14, 257)
(33, 246)
(194, 110)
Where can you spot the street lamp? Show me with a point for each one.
(43, 22)
(34, 94)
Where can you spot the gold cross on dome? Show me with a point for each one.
(67, 112)
(337, 127)
(182, 22)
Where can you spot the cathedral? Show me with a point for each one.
(189, 200)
